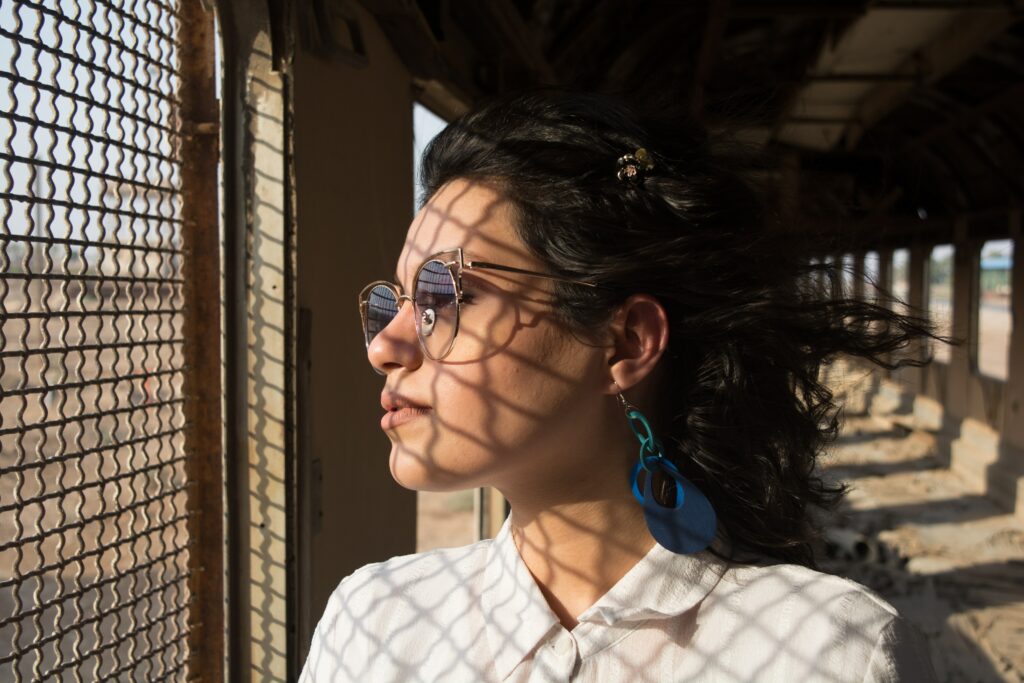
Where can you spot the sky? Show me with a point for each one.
(425, 126)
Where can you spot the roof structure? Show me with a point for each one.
(896, 109)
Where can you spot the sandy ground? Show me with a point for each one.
(444, 519)
(951, 561)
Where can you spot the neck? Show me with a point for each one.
(577, 551)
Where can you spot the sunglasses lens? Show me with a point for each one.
(437, 310)
(381, 309)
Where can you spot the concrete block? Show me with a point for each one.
(891, 398)
(987, 464)
(854, 384)
(972, 464)
(928, 414)
(979, 435)
(1005, 478)
(973, 453)
(1019, 507)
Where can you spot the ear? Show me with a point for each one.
(639, 332)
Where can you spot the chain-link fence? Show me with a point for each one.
(93, 537)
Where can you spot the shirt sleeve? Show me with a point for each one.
(900, 654)
(332, 648)
(313, 658)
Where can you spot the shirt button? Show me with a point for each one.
(563, 644)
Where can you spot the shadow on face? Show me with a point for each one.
(516, 385)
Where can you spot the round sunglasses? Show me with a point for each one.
(437, 299)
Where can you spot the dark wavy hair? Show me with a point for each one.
(753, 317)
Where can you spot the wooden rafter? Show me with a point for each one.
(513, 38)
(410, 35)
(710, 49)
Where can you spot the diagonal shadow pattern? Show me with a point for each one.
(951, 561)
(498, 412)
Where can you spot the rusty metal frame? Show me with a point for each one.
(234, 30)
(204, 428)
(251, 36)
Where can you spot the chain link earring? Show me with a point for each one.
(678, 514)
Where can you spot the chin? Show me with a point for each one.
(416, 473)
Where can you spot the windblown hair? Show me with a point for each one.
(753, 318)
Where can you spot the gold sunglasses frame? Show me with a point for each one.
(455, 268)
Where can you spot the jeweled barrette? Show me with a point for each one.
(633, 167)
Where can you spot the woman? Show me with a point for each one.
(609, 329)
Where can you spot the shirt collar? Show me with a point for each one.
(517, 615)
(662, 584)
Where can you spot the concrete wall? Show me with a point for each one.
(354, 189)
(978, 419)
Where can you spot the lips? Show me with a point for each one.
(400, 409)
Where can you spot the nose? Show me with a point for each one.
(397, 345)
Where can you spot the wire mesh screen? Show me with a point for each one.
(93, 537)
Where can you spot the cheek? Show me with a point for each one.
(515, 398)
(487, 327)
(491, 416)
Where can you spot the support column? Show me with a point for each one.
(965, 276)
(890, 397)
(884, 281)
(975, 452)
(1013, 420)
(913, 378)
(1012, 432)
(858, 275)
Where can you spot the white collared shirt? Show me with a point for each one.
(475, 613)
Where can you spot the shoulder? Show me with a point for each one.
(398, 603)
(437, 572)
(841, 626)
(382, 592)
(808, 587)
(802, 589)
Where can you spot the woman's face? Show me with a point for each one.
(518, 400)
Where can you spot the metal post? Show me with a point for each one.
(202, 333)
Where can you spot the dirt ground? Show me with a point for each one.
(444, 519)
(950, 560)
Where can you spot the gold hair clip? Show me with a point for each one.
(633, 167)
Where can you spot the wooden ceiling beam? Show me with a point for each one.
(955, 183)
(413, 40)
(812, 8)
(966, 116)
(592, 30)
(1007, 51)
(707, 56)
(501, 20)
(864, 78)
(963, 37)
(410, 35)
(847, 9)
(887, 231)
(791, 90)
(878, 232)
(964, 120)
(657, 36)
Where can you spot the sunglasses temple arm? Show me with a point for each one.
(510, 269)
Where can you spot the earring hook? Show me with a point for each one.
(626, 405)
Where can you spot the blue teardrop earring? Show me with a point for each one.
(678, 514)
